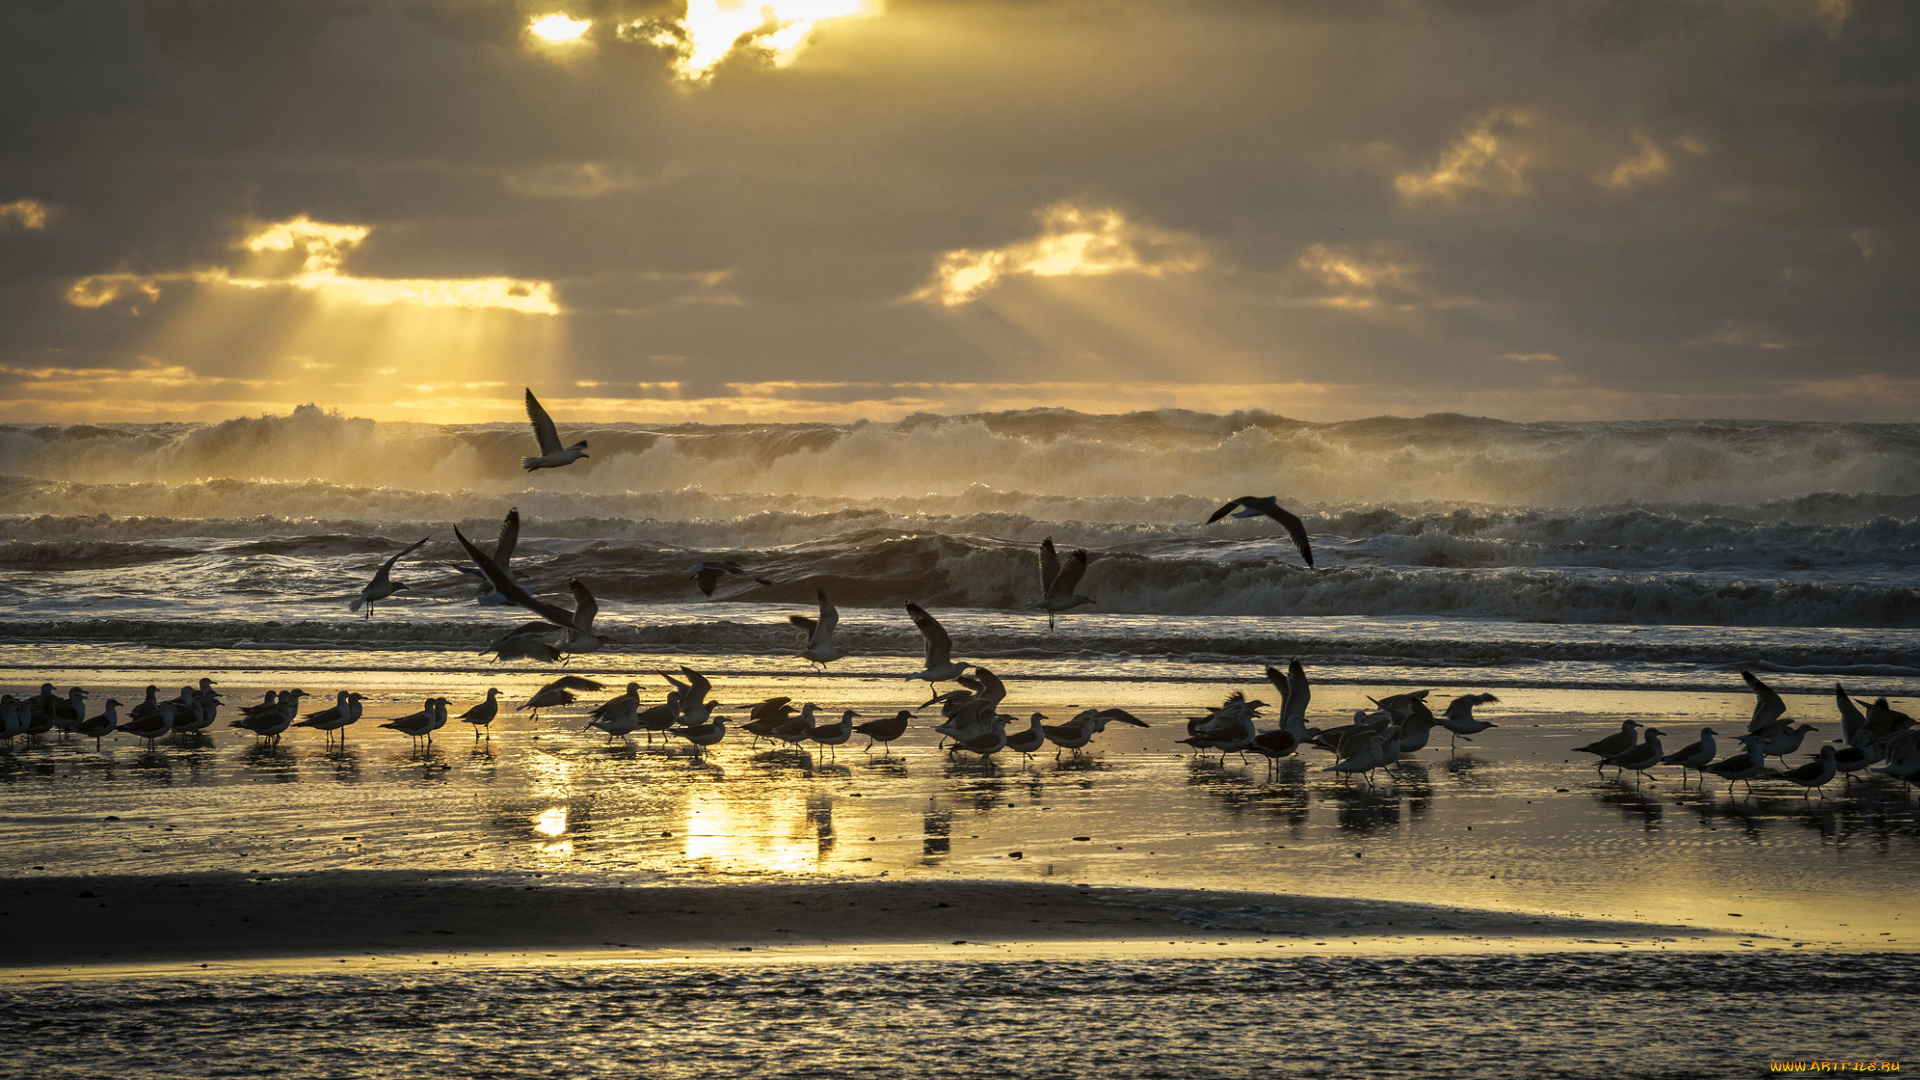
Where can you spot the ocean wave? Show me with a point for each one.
(1045, 452)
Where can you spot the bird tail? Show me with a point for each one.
(530, 463)
(355, 605)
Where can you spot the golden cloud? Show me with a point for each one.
(305, 254)
(713, 30)
(29, 214)
(1482, 159)
(1074, 241)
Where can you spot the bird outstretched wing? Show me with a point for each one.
(509, 538)
(1071, 571)
(939, 645)
(585, 607)
(543, 431)
(511, 590)
(386, 568)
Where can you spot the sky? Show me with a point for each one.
(701, 210)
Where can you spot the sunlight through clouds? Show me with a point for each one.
(713, 30)
(305, 254)
(1074, 241)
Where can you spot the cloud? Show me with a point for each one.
(1743, 334)
(29, 214)
(581, 180)
(1348, 276)
(305, 254)
(711, 31)
(1483, 159)
(1648, 165)
(1074, 241)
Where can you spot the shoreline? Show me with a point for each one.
(103, 926)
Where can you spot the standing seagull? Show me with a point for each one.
(1058, 580)
(383, 585)
(940, 664)
(820, 647)
(1268, 506)
(551, 455)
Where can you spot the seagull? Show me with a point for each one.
(551, 455)
(1696, 756)
(940, 664)
(510, 590)
(1741, 767)
(418, 725)
(1268, 506)
(1618, 743)
(1459, 718)
(383, 586)
(885, 731)
(1642, 757)
(707, 574)
(619, 717)
(150, 728)
(345, 711)
(1295, 692)
(585, 607)
(820, 647)
(1852, 720)
(703, 735)
(502, 556)
(1058, 580)
(558, 692)
(693, 708)
(834, 734)
(1767, 708)
(1817, 773)
(1781, 738)
(528, 641)
(99, 727)
(481, 715)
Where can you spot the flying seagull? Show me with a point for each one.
(1058, 580)
(940, 663)
(820, 647)
(502, 557)
(707, 574)
(1268, 506)
(383, 585)
(510, 590)
(551, 455)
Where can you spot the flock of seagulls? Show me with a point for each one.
(1872, 736)
(565, 632)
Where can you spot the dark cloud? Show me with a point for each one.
(1611, 183)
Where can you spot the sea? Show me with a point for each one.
(1581, 572)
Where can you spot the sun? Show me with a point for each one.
(559, 28)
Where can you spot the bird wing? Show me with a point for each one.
(992, 690)
(510, 590)
(585, 607)
(543, 431)
(829, 618)
(1769, 707)
(1049, 566)
(509, 537)
(572, 682)
(1122, 716)
(803, 623)
(1071, 572)
(1223, 511)
(698, 686)
(387, 567)
(939, 645)
(1294, 526)
(1299, 692)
